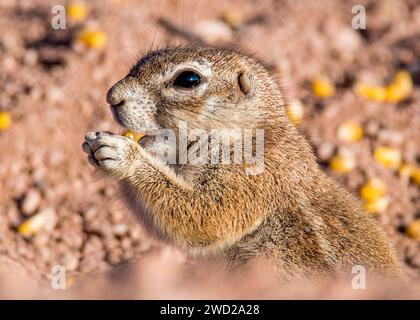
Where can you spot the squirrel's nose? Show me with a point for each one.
(115, 96)
(123, 91)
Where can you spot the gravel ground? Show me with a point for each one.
(54, 90)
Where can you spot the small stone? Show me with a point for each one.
(73, 239)
(44, 253)
(390, 137)
(50, 218)
(120, 229)
(114, 256)
(92, 245)
(9, 63)
(126, 244)
(69, 261)
(41, 239)
(55, 94)
(31, 201)
(415, 261)
(88, 264)
(372, 128)
(90, 214)
(31, 57)
(213, 31)
(325, 151)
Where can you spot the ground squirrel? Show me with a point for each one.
(291, 214)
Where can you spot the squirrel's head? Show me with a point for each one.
(207, 88)
(216, 91)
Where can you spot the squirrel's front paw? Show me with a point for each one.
(112, 153)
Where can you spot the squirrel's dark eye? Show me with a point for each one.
(187, 79)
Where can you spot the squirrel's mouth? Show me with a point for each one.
(144, 137)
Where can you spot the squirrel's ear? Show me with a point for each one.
(244, 83)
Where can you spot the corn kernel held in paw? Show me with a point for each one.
(5, 120)
(294, 111)
(136, 136)
(32, 225)
(349, 132)
(323, 88)
(76, 11)
(413, 230)
(342, 164)
(373, 189)
(388, 157)
(377, 205)
(94, 39)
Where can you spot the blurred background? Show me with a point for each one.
(354, 94)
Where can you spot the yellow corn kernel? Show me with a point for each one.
(373, 189)
(406, 170)
(415, 175)
(233, 18)
(69, 281)
(413, 230)
(32, 225)
(400, 88)
(5, 120)
(323, 88)
(342, 163)
(92, 38)
(377, 205)
(76, 11)
(373, 93)
(133, 135)
(388, 157)
(295, 112)
(349, 132)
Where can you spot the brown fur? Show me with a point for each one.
(291, 215)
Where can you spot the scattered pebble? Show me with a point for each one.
(31, 201)
(69, 261)
(325, 151)
(213, 31)
(120, 229)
